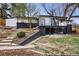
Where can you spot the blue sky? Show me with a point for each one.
(56, 5)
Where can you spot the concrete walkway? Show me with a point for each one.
(16, 47)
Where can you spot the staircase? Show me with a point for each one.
(29, 39)
(7, 42)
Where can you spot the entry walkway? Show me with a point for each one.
(16, 47)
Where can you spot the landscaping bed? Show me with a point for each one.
(27, 34)
(13, 33)
(18, 52)
(57, 45)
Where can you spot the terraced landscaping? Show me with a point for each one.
(58, 45)
(12, 37)
(27, 32)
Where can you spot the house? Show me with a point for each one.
(54, 24)
(22, 22)
(11, 22)
(47, 24)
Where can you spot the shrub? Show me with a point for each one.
(21, 34)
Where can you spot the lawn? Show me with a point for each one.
(58, 45)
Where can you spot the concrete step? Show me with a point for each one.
(7, 44)
(6, 41)
(2, 44)
(13, 44)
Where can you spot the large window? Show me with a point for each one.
(47, 21)
(41, 21)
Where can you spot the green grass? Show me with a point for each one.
(72, 40)
(67, 45)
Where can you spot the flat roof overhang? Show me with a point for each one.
(61, 18)
(53, 16)
(77, 16)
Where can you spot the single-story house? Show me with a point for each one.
(54, 24)
(22, 22)
(47, 24)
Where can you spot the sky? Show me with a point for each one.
(56, 5)
(58, 8)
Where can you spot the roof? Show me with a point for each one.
(53, 16)
(77, 16)
(61, 18)
(25, 18)
(29, 17)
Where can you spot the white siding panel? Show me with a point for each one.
(11, 22)
(47, 21)
(44, 21)
(62, 23)
(41, 21)
(22, 20)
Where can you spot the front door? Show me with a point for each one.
(47, 30)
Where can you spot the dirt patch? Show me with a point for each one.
(58, 45)
(18, 52)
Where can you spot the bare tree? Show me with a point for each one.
(31, 12)
(70, 9)
(52, 10)
(49, 9)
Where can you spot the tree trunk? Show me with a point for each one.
(72, 12)
(30, 26)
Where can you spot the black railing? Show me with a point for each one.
(30, 38)
(26, 25)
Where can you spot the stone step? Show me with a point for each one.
(6, 41)
(2, 44)
(13, 44)
(7, 44)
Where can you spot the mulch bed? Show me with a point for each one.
(18, 52)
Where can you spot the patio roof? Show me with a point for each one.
(59, 17)
(53, 16)
(25, 18)
(77, 16)
(29, 18)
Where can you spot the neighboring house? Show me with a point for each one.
(2, 18)
(2, 22)
(48, 26)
